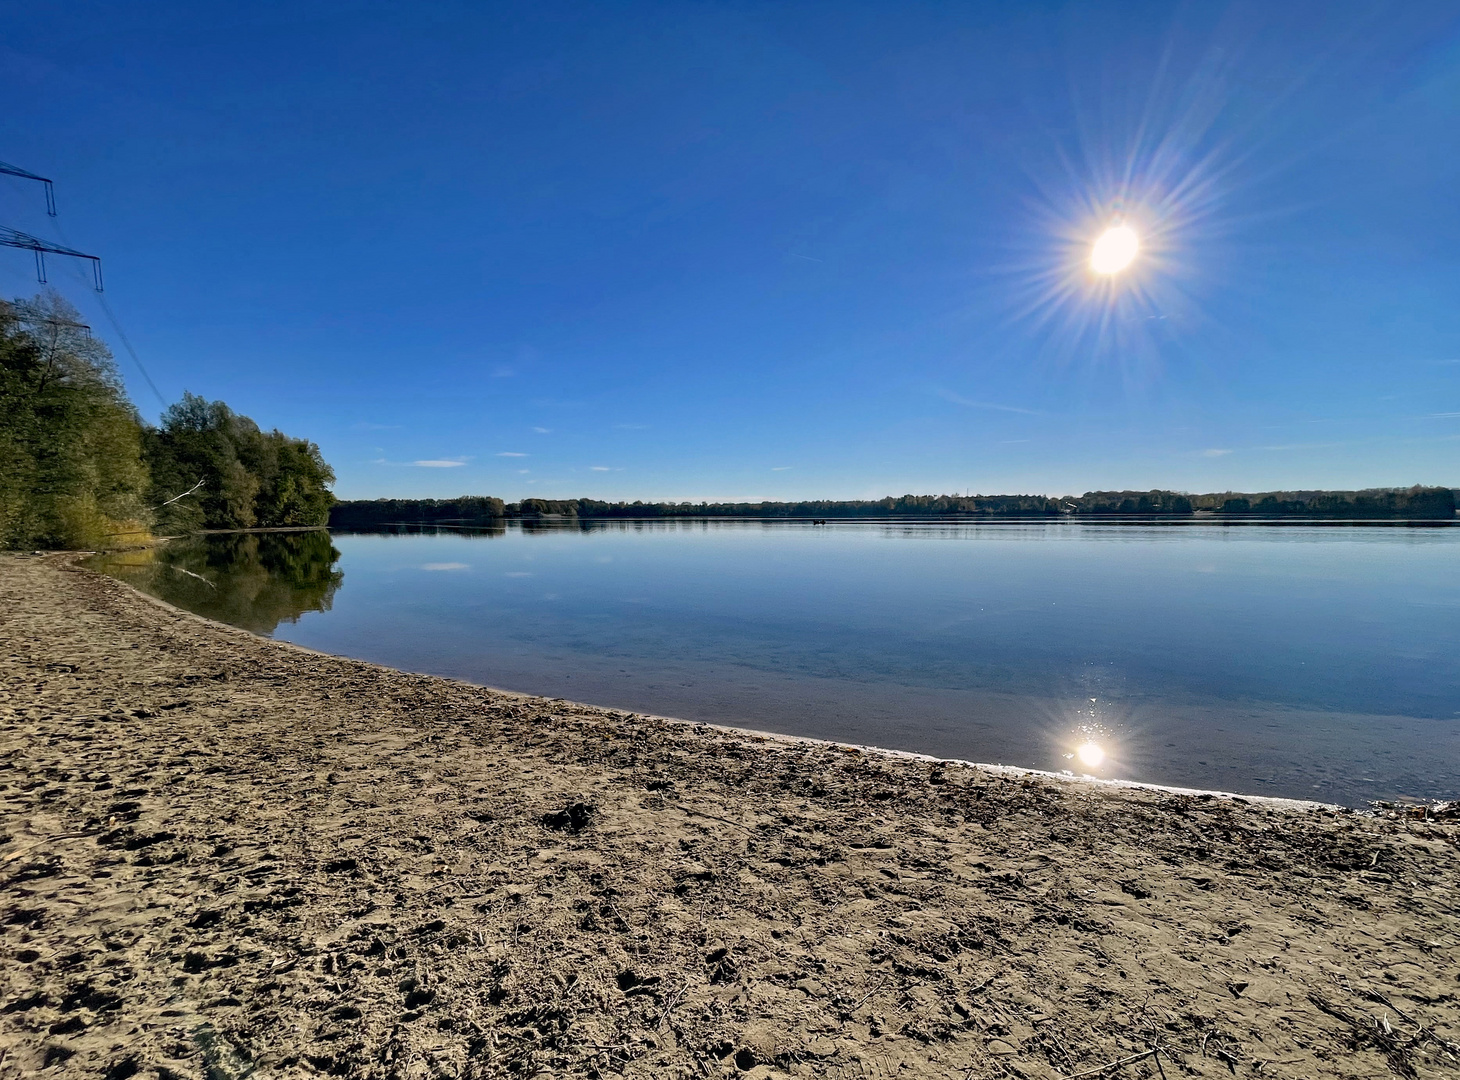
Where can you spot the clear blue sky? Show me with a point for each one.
(780, 250)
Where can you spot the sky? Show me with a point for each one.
(766, 250)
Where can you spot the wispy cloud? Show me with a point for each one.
(630, 427)
(1306, 446)
(502, 371)
(445, 566)
(599, 468)
(511, 453)
(543, 430)
(808, 258)
(1443, 416)
(1215, 453)
(779, 468)
(959, 399)
(523, 472)
(426, 463)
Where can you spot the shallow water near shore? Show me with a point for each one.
(1318, 662)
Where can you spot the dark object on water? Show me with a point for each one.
(573, 818)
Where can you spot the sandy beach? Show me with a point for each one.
(225, 856)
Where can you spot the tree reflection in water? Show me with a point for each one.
(252, 580)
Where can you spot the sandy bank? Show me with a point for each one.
(225, 856)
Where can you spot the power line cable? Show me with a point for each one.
(15, 238)
(121, 334)
(127, 344)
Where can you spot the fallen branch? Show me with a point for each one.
(1154, 1052)
(18, 852)
(699, 813)
(863, 1000)
(1367, 1031)
(175, 498)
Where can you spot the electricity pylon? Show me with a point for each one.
(16, 239)
(16, 170)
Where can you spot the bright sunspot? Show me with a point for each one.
(1114, 250)
(1090, 754)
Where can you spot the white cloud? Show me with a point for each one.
(523, 472)
(511, 453)
(599, 468)
(445, 566)
(1215, 453)
(543, 430)
(441, 463)
(502, 371)
(779, 468)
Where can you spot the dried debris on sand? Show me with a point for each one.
(224, 856)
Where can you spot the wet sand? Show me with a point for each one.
(226, 856)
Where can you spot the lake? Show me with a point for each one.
(1309, 661)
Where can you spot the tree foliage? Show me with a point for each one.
(249, 478)
(71, 469)
(79, 469)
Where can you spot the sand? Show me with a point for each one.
(225, 856)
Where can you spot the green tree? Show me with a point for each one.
(244, 477)
(71, 470)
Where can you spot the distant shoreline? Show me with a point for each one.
(1378, 504)
(965, 519)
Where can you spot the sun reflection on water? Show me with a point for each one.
(1088, 742)
(1091, 754)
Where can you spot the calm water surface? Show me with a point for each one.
(1307, 661)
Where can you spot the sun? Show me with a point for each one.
(1115, 250)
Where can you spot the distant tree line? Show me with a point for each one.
(1416, 503)
(371, 513)
(80, 469)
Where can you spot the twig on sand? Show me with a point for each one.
(863, 999)
(1153, 1052)
(712, 817)
(18, 852)
(983, 985)
(1380, 1034)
